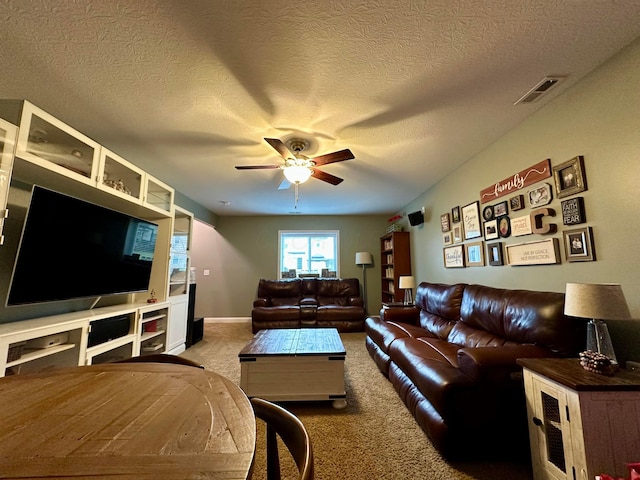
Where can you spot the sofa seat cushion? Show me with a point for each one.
(431, 365)
(282, 312)
(325, 313)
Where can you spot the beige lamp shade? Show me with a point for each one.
(363, 258)
(407, 282)
(603, 301)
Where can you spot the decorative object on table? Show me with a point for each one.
(494, 254)
(490, 229)
(394, 226)
(596, 362)
(570, 177)
(471, 221)
(474, 253)
(540, 195)
(634, 473)
(364, 259)
(516, 202)
(524, 178)
(407, 283)
(152, 297)
(578, 245)
(453, 257)
(455, 214)
(597, 302)
(445, 223)
(573, 211)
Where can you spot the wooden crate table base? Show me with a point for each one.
(294, 364)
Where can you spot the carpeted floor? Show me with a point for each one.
(374, 438)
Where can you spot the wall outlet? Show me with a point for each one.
(634, 366)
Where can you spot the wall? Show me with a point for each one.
(246, 249)
(597, 118)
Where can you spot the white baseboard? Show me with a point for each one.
(227, 319)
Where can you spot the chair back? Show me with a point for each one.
(280, 422)
(162, 358)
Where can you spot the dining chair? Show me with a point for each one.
(162, 358)
(280, 422)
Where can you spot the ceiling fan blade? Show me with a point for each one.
(256, 167)
(339, 156)
(280, 147)
(326, 177)
(284, 184)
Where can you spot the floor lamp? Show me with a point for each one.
(364, 259)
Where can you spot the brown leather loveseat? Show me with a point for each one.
(452, 360)
(309, 302)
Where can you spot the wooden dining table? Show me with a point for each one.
(125, 421)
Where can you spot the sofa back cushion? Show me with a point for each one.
(439, 306)
(494, 316)
(337, 291)
(280, 292)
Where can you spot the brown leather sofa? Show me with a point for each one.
(309, 302)
(452, 360)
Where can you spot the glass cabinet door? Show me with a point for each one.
(158, 196)
(48, 142)
(119, 177)
(8, 134)
(179, 254)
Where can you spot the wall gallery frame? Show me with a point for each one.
(455, 214)
(471, 220)
(445, 222)
(570, 177)
(453, 256)
(540, 195)
(474, 253)
(457, 233)
(447, 238)
(491, 230)
(494, 254)
(578, 245)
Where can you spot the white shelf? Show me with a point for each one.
(155, 317)
(39, 353)
(149, 335)
(110, 345)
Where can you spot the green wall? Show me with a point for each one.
(247, 249)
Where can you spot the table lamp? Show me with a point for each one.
(597, 302)
(407, 283)
(364, 259)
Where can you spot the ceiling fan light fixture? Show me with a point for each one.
(297, 173)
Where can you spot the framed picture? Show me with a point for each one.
(569, 177)
(457, 233)
(540, 195)
(494, 254)
(521, 226)
(447, 238)
(474, 253)
(471, 220)
(578, 245)
(573, 211)
(500, 209)
(504, 226)
(487, 213)
(491, 230)
(445, 224)
(455, 214)
(516, 202)
(453, 256)
(538, 252)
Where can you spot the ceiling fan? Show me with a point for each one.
(297, 168)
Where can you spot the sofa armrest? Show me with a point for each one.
(496, 364)
(401, 313)
(308, 301)
(261, 302)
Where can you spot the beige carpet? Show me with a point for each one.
(374, 438)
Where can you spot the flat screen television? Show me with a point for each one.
(72, 249)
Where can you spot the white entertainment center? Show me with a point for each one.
(38, 149)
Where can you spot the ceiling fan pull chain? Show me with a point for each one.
(295, 187)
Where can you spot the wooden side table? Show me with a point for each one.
(581, 424)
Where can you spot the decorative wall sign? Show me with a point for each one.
(471, 221)
(573, 211)
(540, 195)
(537, 224)
(475, 254)
(455, 214)
(522, 179)
(516, 202)
(453, 256)
(521, 226)
(490, 229)
(543, 252)
(504, 226)
(494, 254)
(445, 223)
(569, 177)
(578, 245)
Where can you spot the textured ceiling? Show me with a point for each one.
(188, 89)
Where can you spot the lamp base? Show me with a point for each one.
(408, 297)
(598, 340)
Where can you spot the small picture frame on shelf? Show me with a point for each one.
(570, 177)
(578, 245)
(494, 254)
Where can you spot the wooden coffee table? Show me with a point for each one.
(294, 364)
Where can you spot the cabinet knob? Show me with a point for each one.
(537, 421)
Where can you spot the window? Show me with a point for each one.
(311, 252)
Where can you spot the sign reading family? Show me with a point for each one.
(516, 182)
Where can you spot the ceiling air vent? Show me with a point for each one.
(543, 86)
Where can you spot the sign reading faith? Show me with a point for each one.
(522, 179)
